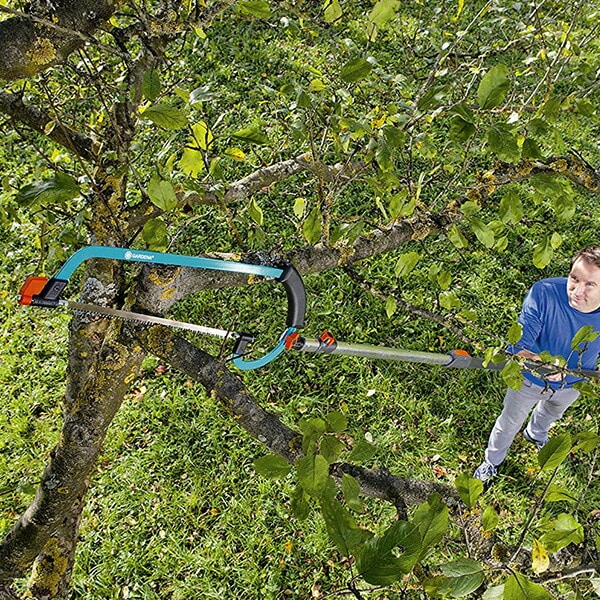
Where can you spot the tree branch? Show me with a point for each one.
(34, 42)
(267, 428)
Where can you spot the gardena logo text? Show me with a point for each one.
(137, 256)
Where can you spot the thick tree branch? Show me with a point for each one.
(572, 166)
(267, 428)
(35, 42)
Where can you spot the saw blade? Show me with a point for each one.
(148, 319)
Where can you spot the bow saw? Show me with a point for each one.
(45, 292)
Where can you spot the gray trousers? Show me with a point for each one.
(549, 404)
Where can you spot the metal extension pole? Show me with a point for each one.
(369, 351)
(456, 359)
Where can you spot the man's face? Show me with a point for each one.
(583, 286)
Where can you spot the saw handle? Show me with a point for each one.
(296, 309)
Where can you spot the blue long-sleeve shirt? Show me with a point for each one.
(549, 324)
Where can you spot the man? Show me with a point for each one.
(554, 310)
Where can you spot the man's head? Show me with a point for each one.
(583, 283)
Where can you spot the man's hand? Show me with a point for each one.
(536, 357)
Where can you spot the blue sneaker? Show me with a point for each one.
(485, 471)
(539, 444)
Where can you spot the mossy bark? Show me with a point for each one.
(32, 43)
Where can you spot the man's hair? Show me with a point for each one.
(590, 255)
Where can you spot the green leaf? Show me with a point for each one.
(383, 12)
(57, 190)
(449, 301)
(458, 240)
(332, 10)
(484, 234)
(585, 335)
(299, 504)
(469, 489)
(519, 587)
(515, 333)
(557, 493)
(376, 559)
(531, 149)
(336, 421)
(272, 466)
(331, 448)
(191, 162)
(511, 375)
(489, 518)
(312, 227)
(432, 98)
(398, 205)
(585, 107)
(470, 208)
(511, 208)
(503, 143)
(255, 212)
(495, 592)
(585, 388)
(586, 441)
(391, 305)
(431, 518)
(362, 452)
(342, 528)
(543, 252)
(313, 425)
(299, 207)
(155, 235)
(461, 129)
(255, 8)
(351, 491)
(394, 136)
(165, 116)
(565, 530)
(151, 84)
(564, 207)
(252, 135)
(202, 136)
(444, 279)
(406, 263)
(312, 428)
(493, 87)
(313, 474)
(554, 452)
(464, 576)
(355, 70)
(551, 109)
(316, 85)
(162, 194)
